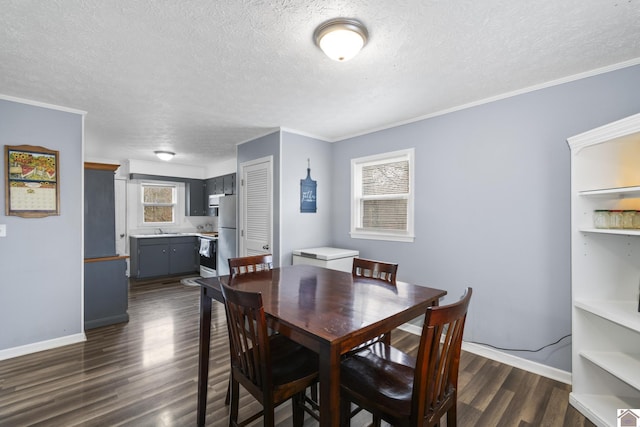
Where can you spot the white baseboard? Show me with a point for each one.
(41, 346)
(498, 356)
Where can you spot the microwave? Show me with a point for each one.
(214, 200)
(214, 203)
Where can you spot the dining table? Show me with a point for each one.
(328, 311)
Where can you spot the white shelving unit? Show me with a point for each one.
(605, 174)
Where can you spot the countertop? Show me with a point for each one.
(208, 234)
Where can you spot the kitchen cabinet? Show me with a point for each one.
(99, 212)
(225, 184)
(106, 289)
(229, 183)
(106, 292)
(163, 256)
(605, 266)
(219, 185)
(183, 256)
(195, 198)
(150, 259)
(209, 187)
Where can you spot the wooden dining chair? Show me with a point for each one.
(378, 270)
(272, 368)
(375, 269)
(407, 391)
(245, 265)
(250, 264)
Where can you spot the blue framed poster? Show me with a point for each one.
(308, 189)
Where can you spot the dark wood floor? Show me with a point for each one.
(144, 373)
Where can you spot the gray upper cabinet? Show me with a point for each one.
(195, 190)
(220, 185)
(229, 183)
(225, 184)
(210, 187)
(99, 213)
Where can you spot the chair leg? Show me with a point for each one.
(298, 411)
(386, 338)
(268, 414)
(227, 398)
(235, 392)
(452, 415)
(345, 413)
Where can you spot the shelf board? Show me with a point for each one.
(602, 410)
(624, 366)
(620, 192)
(620, 232)
(624, 313)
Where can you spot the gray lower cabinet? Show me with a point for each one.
(106, 292)
(163, 256)
(182, 257)
(153, 258)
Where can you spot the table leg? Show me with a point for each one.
(203, 354)
(329, 372)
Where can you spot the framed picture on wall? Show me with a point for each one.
(308, 191)
(32, 186)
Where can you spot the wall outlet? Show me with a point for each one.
(3, 230)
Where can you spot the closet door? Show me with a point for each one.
(256, 207)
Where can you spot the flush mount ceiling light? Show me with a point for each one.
(165, 155)
(341, 39)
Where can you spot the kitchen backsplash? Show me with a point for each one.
(190, 224)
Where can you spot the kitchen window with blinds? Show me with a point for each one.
(382, 196)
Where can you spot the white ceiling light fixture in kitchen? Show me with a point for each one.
(165, 155)
(341, 38)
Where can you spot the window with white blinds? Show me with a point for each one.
(382, 196)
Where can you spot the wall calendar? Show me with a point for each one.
(31, 181)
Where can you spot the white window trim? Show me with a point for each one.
(141, 204)
(397, 236)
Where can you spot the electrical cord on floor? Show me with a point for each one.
(520, 349)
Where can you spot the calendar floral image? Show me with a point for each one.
(32, 166)
(32, 181)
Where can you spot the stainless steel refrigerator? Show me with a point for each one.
(227, 235)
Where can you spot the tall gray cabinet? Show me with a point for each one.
(106, 289)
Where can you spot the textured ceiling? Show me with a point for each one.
(197, 77)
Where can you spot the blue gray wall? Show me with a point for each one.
(41, 258)
(493, 206)
(304, 230)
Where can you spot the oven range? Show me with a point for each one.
(208, 253)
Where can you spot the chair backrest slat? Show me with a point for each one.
(250, 264)
(384, 271)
